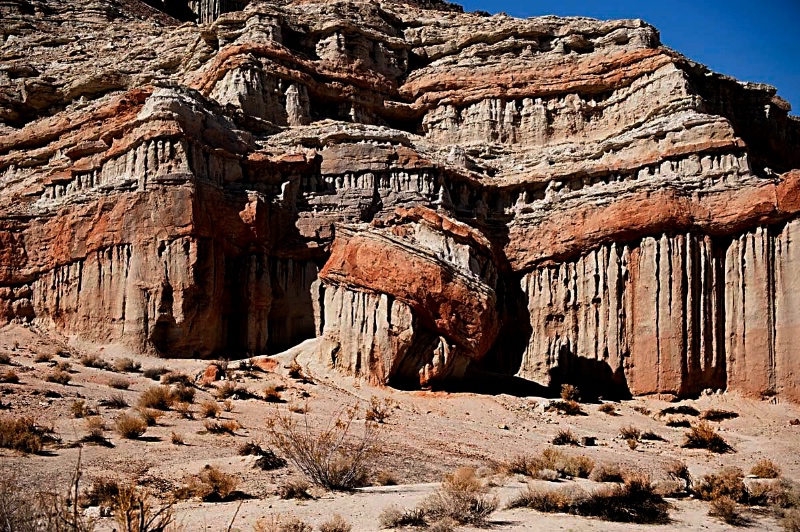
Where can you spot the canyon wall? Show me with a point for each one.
(432, 193)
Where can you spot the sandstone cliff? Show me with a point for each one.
(427, 190)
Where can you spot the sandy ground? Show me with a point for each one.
(427, 435)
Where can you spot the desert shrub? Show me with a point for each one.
(569, 408)
(23, 434)
(183, 393)
(63, 365)
(521, 464)
(547, 500)
(642, 410)
(578, 466)
(250, 449)
(155, 373)
(227, 405)
(9, 377)
(176, 377)
(779, 495)
(766, 469)
(130, 427)
(633, 502)
(296, 370)
(729, 482)
(232, 390)
(565, 437)
(702, 436)
(676, 423)
(680, 471)
(184, 410)
(210, 408)
(58, 377)
(5, 358)
(336, 523)
(95, 426)
(272, 395)
(333, 458)
(606, 473)
(718, 415)
(126, 365)
(117, 400)
(95, 361)
(297, 408)
(43, 357)
(177, 439)
(212, 484)
(632, 444)
(462, 498)
(791, 521)
(551, 460)
(649, 435)
(294, 489)
(279, 523)
(119, 383)
(570, 393)
(136, 511)
(396, 517)
(379, 410)
(608, 408)
(683, 410)
(158, 397)
(103, 490)
(630, 433)
(229, 426)
(78, 408)
(727, 510)
(150, 415)
(384, 478)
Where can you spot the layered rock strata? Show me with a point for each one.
(427, 190)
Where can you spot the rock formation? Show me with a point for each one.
(428, 191)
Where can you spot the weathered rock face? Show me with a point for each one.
(427, 190)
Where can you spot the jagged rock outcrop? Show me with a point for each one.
(427, 190)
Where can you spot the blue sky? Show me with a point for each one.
(750, 40)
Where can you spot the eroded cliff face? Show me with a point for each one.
(426, 190)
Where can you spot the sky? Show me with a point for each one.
(749, 40)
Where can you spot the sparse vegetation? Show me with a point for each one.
(279, 523)
(177, 439)
(570, 393)
(175, 377)
(126, 365)
(701, 436)
(569, 408)
(791, 521)
(683, 410)
(766, 469)
(642, 410)
(272, 394)
(608, 408)
(23, 434)
(385, 478)
(727, 510)
(58, 377)
(210, 409)
(565, 437)
(679, 423)
(729, 482)
(334, 458)
(95, 427)
(43, 357)
(130, 427)
(184, 410)
(119, 383)
(336, 523)
(155, 373)
(463, 498)
(718, 415)
(296, 371)
(630, 433)
(182, 393)
(396, 517)
(158, 397)
(633, 502)
(649, 435)
(549, 460)
(9, 377)
(228, 426)
(150, 415)
(78, 408)
(95, 361)
(379, 410)
(135, 511)
(294, 489)
(5, 358)
(117, 400)
(212, 484)
(607, 473)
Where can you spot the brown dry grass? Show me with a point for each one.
(130, 427)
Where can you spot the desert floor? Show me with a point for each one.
(427, 435)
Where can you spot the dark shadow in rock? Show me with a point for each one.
(488, 383)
